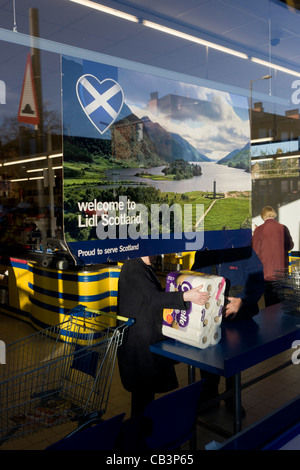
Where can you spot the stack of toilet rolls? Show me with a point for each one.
(200, 325)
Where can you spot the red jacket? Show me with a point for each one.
(272, 241)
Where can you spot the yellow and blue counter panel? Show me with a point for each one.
(43, 296)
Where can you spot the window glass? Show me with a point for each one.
(251, 51)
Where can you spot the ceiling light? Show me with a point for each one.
(274, 66)
(27, 160)
(260, 160)
(104, 9)
(263, 139)
(287, 157)
(42, 169)
(179, 34)
(55, 155)
(17, 180)
(195, 39)
(35, 170)
(273, 157)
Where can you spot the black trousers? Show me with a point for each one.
(211, 385)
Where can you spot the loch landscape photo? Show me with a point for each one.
(170, 143)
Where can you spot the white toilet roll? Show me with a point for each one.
(193, 337)
(199, 325)
(215, 336)
(192, 319)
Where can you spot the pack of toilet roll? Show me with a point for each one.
(200, 325)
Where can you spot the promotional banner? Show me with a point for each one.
(151, 165)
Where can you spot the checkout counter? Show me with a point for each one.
(42, 295)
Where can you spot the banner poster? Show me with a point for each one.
(151, 165)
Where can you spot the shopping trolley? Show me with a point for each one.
(60, 374)
(287, 285)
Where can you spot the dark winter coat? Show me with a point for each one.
(140, 296)
(243, 272)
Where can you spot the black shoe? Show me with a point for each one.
(230, 406)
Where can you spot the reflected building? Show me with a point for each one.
(275, 158)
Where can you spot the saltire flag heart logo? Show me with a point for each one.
(101, 101)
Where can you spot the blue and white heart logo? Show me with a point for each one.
(101, 101)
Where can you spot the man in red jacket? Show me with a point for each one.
(272, 241)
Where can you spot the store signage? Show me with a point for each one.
(296, 354)
(106, 104)
(2, 353)
(141, 172)
(2, 92)
(296, 94)
(28, 108)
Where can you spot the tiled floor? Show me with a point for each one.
(258, 399)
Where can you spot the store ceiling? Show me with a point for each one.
(267, 29)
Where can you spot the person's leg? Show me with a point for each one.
(132, 434)
(210, 385)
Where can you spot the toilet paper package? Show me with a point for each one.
(200, 325)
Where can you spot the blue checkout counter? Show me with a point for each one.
(243, 345)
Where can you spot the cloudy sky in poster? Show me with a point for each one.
(222, 126)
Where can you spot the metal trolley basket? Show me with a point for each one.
(287, 285)
(60, 374)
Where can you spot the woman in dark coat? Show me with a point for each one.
(140, 296)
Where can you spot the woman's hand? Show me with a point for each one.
(196, 296)
(233, 306)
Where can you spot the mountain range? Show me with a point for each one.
(239, 158)
(153, 141)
